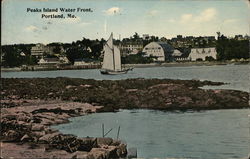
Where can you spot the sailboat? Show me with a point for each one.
(112, 59)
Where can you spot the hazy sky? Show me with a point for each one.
(163, 18)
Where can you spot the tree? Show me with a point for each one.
(228, 49)
(11, 57)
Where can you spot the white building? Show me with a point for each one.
(128, 48)
(38, 50)
(161, 50)
(48, 61)
(83, 62)
(202, 53)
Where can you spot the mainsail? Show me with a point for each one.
(108, 59)
(117, 58)
(112, 56)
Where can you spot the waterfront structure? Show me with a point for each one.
(160, 50)
(83, 61)
(130, 48)
(49, 61)
(202, 53)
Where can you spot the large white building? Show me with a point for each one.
(202, 53)
(160, 50)
(38, 50)
(128, 48)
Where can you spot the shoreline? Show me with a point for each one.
(27, 112)
(27, 127)
(97, 66)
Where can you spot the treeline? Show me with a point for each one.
(85, 49)
(13, 55)
(228, 49)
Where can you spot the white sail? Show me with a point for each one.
(110, 41)
(117, 57)
(108, 59)
(112, 56)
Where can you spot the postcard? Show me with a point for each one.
(98, 79)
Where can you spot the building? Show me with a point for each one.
(160, 50)
(38, 50)
(83, 61)
(49, 61)
(127, 48)
(202, 53)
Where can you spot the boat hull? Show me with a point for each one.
(110, 72)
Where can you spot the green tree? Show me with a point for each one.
(11, 57)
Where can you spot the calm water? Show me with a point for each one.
(215, 134)
(236, 75)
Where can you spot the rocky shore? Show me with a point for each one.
(30, 106)
(25, 129)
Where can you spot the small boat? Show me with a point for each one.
(112, 59)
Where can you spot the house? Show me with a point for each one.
(202, 53)
(160, 50)
(127, 48)
(49, 61)
(22, 54)
(38, 50)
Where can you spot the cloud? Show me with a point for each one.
(206, 15)
(31, 28)
(153, 12)
(113, 11)
(186, 18)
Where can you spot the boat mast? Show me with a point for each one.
(113, 51)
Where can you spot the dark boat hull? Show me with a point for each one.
(110, 72)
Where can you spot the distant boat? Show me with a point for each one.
(112, 59)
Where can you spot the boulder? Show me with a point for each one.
(104, 141)
(46, 138)
(99, 153)
(26, 138)
(122, 150)
(37, 127)
(86, 144)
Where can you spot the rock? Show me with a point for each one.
(86, 144)
(99, 153)
(104, 141)
(38, 134)
(46, 138)
(11, 135)
(26, 138)
(82, 155)
(122, 150)
(37, 127)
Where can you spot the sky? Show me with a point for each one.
(162, 18)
